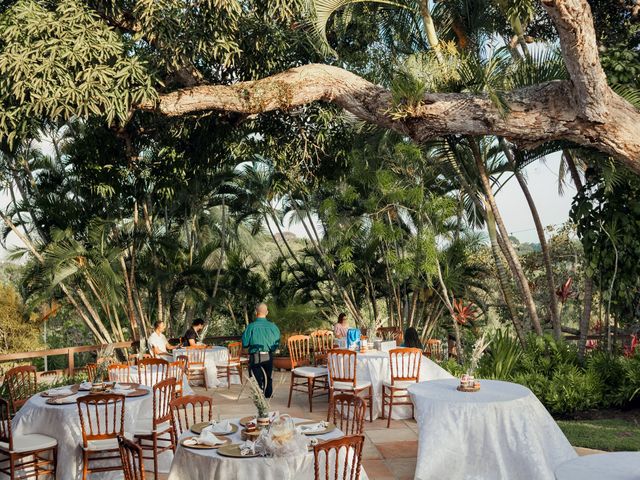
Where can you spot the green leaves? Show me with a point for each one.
(64, 63)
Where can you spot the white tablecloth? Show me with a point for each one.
(62, 422)
(609, 466)
(373, 366)
(500, 432)
(213, 356)
(208, 465)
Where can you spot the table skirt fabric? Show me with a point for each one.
(208, 465)
(62, 422)
(374, 367)
(213, 356)
(500, 432)
(186, 389)
(609, 466)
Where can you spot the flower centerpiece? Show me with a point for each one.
(468, 383)
(260, 401)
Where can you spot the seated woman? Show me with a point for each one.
(340, 328)
(412, 339)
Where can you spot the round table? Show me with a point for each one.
(373, 366)
(502, 431)
(213, 355)
(612, 466)
(62, 422)
(208, 465)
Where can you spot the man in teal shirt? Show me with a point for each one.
(261, 338)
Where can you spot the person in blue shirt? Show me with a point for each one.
(261, 338)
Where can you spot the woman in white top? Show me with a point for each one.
(158, 344)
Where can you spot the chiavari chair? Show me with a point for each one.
(303, 376)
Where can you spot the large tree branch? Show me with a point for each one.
(574, 23)
(537, 114)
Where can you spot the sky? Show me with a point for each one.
(542, 178)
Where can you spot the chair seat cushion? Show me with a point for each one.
(196, 368)
(400, 384)
(144, 426)
(28, 443)
(244, 360)
(360, 385)
(106, 444)
(311, 371)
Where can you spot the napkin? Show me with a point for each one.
(313, 427)
(63, 400)
(205, 438)
(248, 448)
(86, 386)
(122, 390)
(60, 391)
(220, 428)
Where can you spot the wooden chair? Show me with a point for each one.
(347, 413)
(303, 376)
(189, 410)
(233, 363)
(395, 332)
(28, 454)
(101, 421)
(159, 428)
(433, 349)
(50, 375)
(132, 460)
(405, 371)
(133, 359)
(152, 371)
(196, 369)
(342, 377)
(322, 342)
(177, 370)
(339, 459)
(91, 369)
(22, 384)
(119, 372)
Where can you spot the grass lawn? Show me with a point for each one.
(610, 435)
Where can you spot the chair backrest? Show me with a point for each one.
(163, 394)
(5, 424)
(322, 341)
(189, 410)
(134, 358)
(101, 416)
(235, 350)
(338, 459)
(395, 332)
(50, 375)
(92, 370)
(119, 372)
(132, 460)
(299, 350)
(152, 371)
(342, 365)
(176, 370)
(196, 354)
(22, 385)
(405, 364)
(433, 348)
(347, 413)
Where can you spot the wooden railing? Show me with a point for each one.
(70, 352)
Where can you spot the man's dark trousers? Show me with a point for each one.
(260, 369)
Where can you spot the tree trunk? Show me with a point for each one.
(519, 272)
(546, 256)
(503, 277)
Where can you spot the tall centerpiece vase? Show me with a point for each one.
(261, 403)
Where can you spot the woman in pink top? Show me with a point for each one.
(340, 328)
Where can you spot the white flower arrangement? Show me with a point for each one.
(257, 396)
(478, 351)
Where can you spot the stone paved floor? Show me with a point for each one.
(388, 453)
